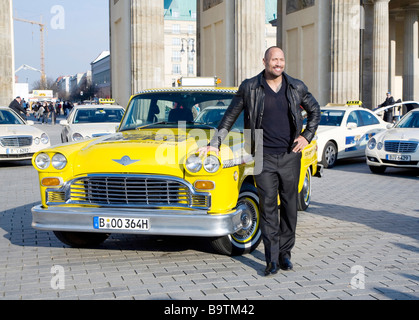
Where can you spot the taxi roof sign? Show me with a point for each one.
(106, 101)
(354, 103)
(199, 81)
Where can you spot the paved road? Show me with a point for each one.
(358, 240)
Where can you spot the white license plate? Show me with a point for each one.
(398, 157)
(140, 224)
(17, 151)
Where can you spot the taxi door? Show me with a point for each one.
(361, 125)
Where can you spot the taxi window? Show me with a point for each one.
(168, 108)
(331, 118)
(354, 117)
(98, 115)
(368, 119)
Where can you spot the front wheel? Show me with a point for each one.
(81, 239)
(304, 196)
(248, 238)
(330, 155)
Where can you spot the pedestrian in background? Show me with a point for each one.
(388, 114)
(16, 106)
(43, 113)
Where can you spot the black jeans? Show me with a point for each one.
(280, 175)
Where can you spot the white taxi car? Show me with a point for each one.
(91, 121)
(397, 146)
(344, 132)
(19, 139)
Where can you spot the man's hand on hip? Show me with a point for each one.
(300, 143)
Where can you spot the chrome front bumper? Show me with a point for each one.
(162, 222)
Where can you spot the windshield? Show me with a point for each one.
(96, 115)
(8, 117)
(167, 109)
(332, 118)
(411, 120)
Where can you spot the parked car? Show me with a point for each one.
(397, 146)
(148, 179)
(344, 132)
(90, 121)
(19, 139)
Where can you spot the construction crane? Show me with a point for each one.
(42, 30)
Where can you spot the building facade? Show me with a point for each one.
(7, 61)
(342, 49)
(177, 36)
(101, 75)
(351, 49)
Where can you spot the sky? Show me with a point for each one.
(77, 31)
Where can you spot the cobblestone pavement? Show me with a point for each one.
(358, 240)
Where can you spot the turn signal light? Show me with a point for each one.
(204, 185)
(51, 182)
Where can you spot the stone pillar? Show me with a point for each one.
(411, 62)
(381, 47)
(250, 32)
(147, 44)
(279, 25)
(7, 63)
(345, 50)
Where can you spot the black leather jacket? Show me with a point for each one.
(250, 98)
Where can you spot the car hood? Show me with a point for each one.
(19, 129)
(87, 129)
(152, 152)
(404, 134)
(323, 129)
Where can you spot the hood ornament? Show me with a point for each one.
(125, 161)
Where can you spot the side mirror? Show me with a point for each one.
(63, 122)
(390, 125)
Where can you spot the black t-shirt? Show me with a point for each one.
(276, 120)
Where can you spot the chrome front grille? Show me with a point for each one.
(400, 146)
(17, 141)
(135, 191)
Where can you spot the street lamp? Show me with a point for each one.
(190, 48)
(190, 43)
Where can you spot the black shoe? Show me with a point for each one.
(272, 268)
(285, 264)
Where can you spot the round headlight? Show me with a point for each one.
(211, 164)
(372, 143)
(42, 161)
(59, 161)
(193, 163)
(44, 138)
(36, 140)
(379, 145)
(77, 137)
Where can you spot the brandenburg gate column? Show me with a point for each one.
(147, 44)
(381, 47)
(231, 39)
(250, 32)
(345, 48)
(411, 60)
(6, 53)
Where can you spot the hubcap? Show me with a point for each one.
(248, 218)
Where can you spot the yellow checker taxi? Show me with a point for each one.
(148, 179)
